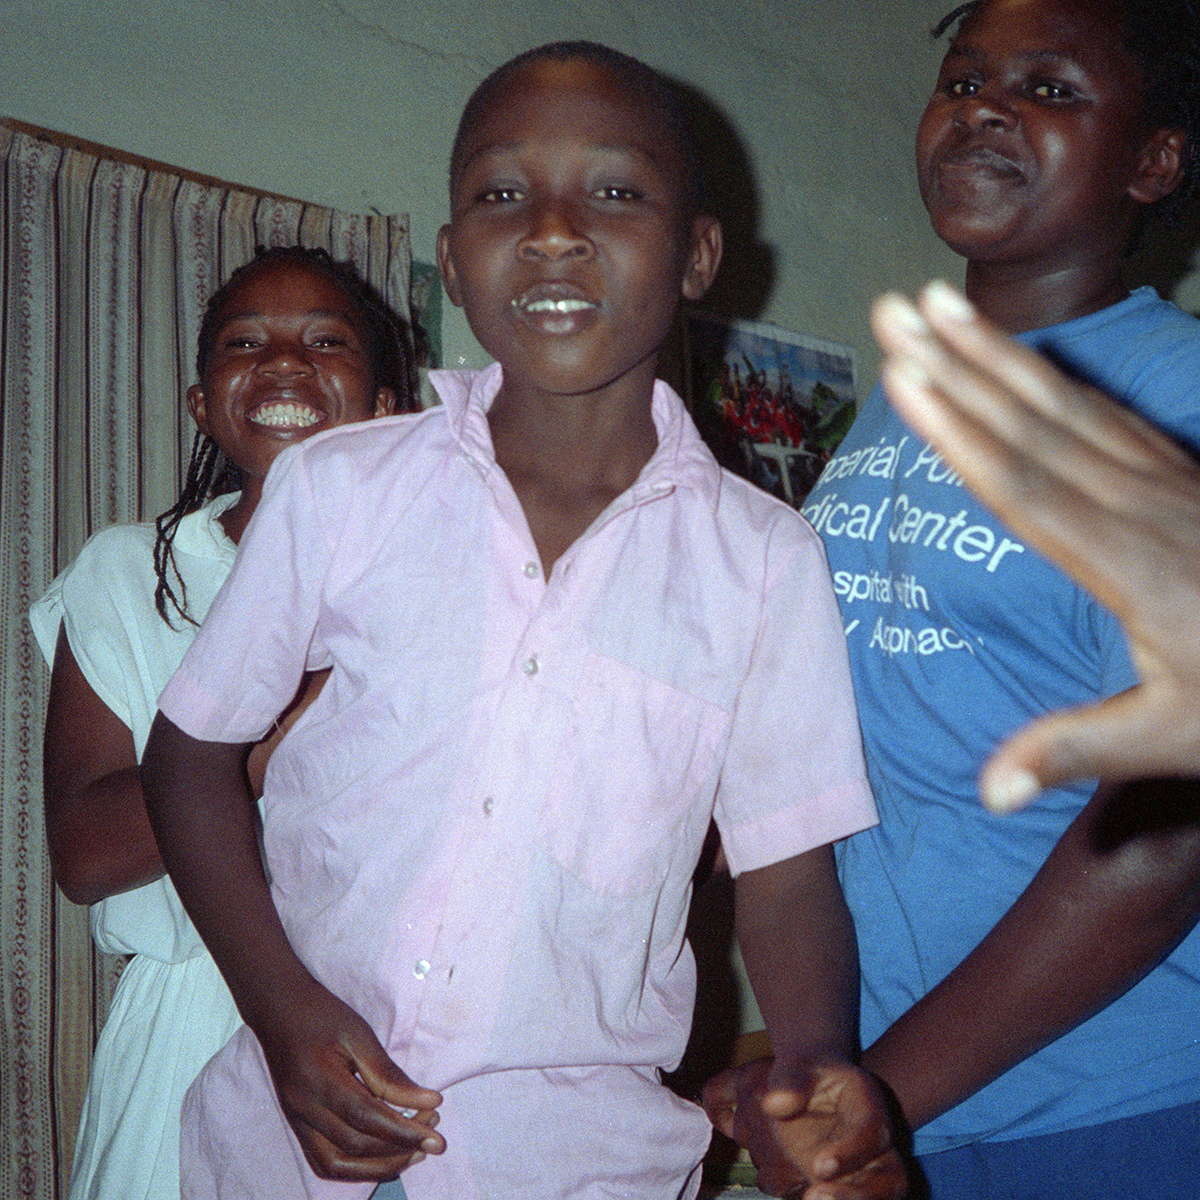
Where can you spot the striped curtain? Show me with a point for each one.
(105, 266)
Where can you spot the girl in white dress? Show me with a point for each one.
(294, 343)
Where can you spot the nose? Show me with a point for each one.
(986, 109)
(554, 232)
(286, 357)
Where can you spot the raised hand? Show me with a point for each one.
(1088, 483)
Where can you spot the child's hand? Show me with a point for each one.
(818, 1130)
(1088, 483)
(344, 1097)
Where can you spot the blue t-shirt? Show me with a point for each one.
(959, 634)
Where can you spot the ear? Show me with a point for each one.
(704, 257)
(1160, 166)
(195, 405)
(446, 266)
(385, 402)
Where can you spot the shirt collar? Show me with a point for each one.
(680, 460)
(202, 535)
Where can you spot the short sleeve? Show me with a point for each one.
(794, 776)
(45, 619)
(95, 599)
(246, 662)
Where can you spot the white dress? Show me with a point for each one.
(171, 1011)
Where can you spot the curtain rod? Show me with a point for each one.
(71, 142)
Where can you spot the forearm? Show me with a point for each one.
(201, 812)
(809, 1115)
(98, 834)
(100, 838)
(797, 941)
(1107, 906)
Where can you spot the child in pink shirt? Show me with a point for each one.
(561, 639)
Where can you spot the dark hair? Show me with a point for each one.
(1163, 38)
(655, 89)
(209, 472)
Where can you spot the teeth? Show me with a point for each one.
(558, 306)
(285, 414)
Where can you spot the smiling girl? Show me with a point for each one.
(293, 343)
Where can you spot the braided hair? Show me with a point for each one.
(210, 473)
(1163, 37)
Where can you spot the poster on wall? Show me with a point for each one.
(772, 405)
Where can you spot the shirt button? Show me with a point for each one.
(530, 665)
(489, 806)
(421, 969)
(531, 569)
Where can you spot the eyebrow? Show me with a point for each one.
(958, 50)
(253, 315)
(604, 147)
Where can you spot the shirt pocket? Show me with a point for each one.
(631, 789)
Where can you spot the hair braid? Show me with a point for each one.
(210, 473)
(961, 12)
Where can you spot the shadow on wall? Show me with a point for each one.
(747, 276)
(748, 271)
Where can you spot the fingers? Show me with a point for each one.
(833, 1121)
(783, 1104)
(354, 1111)
(785, 1080)
(1033, 380)
(861, 1132)
(1001, 440)
(349, 1133)
(1150, 730)
(1064, 465)
(330, 1160)
(385, 1080)
(885, 1178)
(379, 1099)
(1055, 459)
(720, 1100)
(1087, 482)
(1007, 386)
(733, 1101)
(783, 1091)
(785, 1101)
(813, 1130)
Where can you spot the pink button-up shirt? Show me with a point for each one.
(482, 834)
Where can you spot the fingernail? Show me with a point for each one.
(900, 310)
(1011, 790)
(825, 1166)
(947, 301)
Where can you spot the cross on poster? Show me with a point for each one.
(772, 405)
